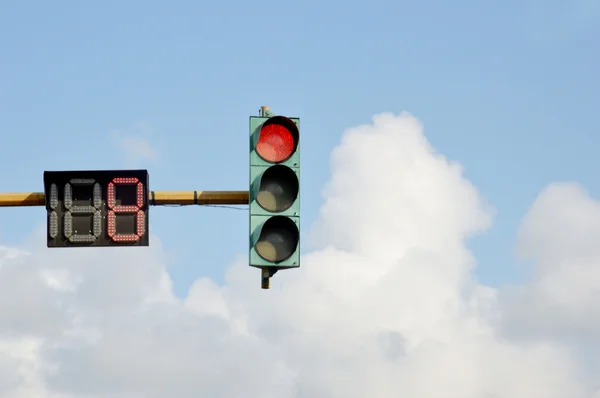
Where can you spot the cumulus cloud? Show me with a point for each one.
(559, 236)
(385, 306)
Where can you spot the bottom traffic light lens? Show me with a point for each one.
(279, 189)
(278, 239)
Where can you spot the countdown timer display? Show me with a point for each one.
(97, 208)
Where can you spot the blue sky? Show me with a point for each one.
(510, 90)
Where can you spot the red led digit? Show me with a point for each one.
(113, 210)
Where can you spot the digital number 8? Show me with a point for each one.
(113, 210)
(72, 209)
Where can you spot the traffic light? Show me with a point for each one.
(274, 194)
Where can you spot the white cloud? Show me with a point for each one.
(385, 306)
(560, 234)
(135, 145)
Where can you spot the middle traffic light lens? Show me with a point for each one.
(278, 190)
(278, 239)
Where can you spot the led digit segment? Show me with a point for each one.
(97, 208)
(52, 216)
(114, 209)
(82, 210)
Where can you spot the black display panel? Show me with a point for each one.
(97, 208)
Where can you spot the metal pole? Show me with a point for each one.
(22, 199)
(157, 198)
(198, 198)
(265, 279)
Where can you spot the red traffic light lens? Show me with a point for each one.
(278, 140)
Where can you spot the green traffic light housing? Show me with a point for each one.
(274, 193)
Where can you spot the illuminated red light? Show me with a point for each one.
(123, 209)
(276, 142)
(125, 180)
(111, 195)
(112, 228)
(140, 195)
(140, 223)
(126, 238)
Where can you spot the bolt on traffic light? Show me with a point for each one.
(274, 194)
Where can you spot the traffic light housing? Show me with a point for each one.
(274, 194)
